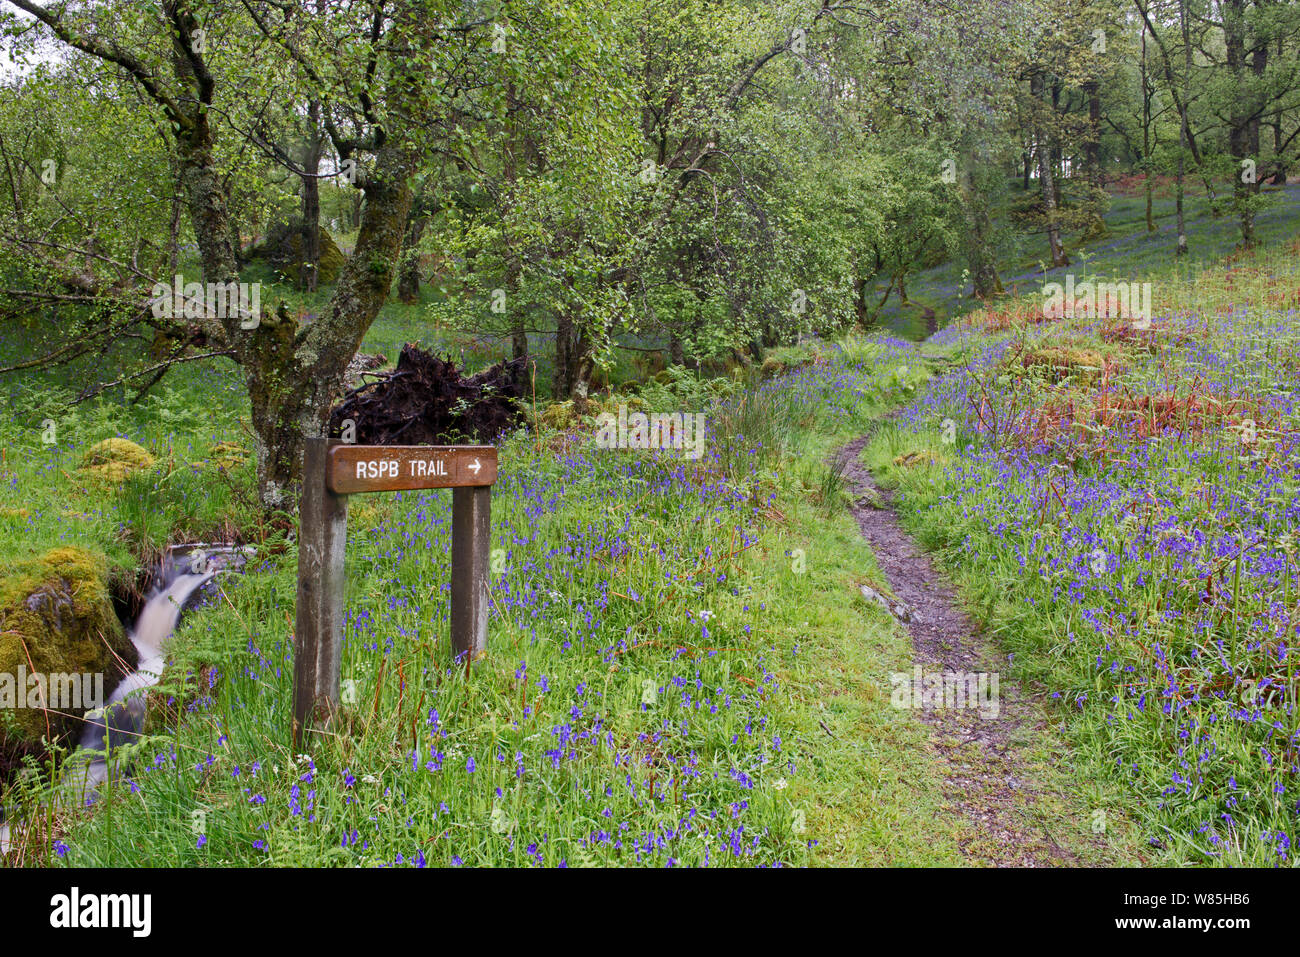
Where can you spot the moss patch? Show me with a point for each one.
(56, 618)
(228, 455)
(920, 457)
(112, 460)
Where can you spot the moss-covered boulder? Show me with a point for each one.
(282, 249)
(60, 644)
(112, 460)
(228, 455)
(612, 402)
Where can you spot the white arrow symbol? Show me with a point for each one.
(475, 467)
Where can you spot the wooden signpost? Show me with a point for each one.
(331, 472)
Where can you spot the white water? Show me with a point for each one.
(123, 714)
(121, 719)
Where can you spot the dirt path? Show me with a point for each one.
(988, 777)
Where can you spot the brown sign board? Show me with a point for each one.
(387, 468)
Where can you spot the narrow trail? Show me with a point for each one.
(987, 778)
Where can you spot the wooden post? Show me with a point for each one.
(318, 634)
(471, 525)
(332, 471)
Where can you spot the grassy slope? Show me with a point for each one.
(1126, 252)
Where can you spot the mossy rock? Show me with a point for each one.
(56, 619)
(114, 459)
(1095, 229)
(228, 455)
(650, 364)
(919, 457)
(728, 365)
(282, 249)
(788, 359)
(332, 259)
(634, 403)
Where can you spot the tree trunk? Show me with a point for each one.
(1239, 118)
(1057, 157)
(1059, 258)
(295, 375)
(174, 230)
(1147, 92)
(563, 329)
(1184, 131)
(1181, 249)
(518, 334)
(1280, 174)
(979, 231)
(408, 278)
(583, 365)
(1279, 177)
(1046, 179)
(1092, 145)
(309, 268)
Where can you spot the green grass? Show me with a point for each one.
(605, 564)
(694, 638)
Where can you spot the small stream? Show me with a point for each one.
(177, 586)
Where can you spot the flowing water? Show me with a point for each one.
(177, 584)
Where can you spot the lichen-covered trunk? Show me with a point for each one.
(584, 365)
(273, 376)
(205, 198)
(295, 378)
(1092, 140)
(563, 330)
(1048, 184)
(309, 268)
